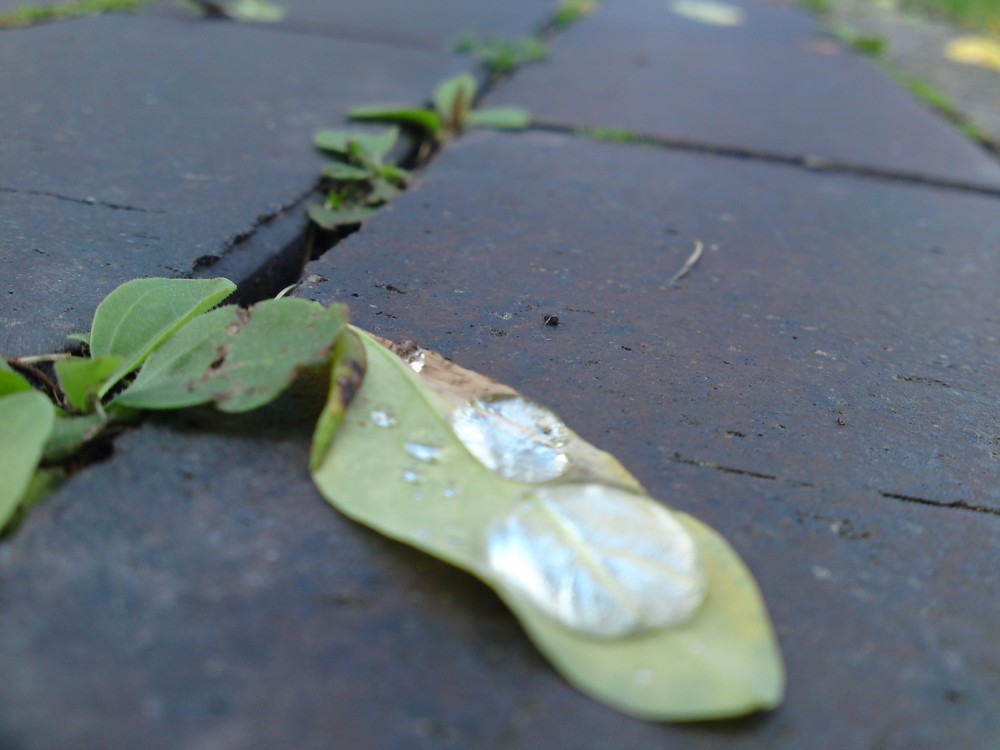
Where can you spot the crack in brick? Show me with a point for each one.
(810, 163)
(83, 201)
(678, 458)
(957, 504)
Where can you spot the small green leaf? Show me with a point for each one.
(419, 118)
(10, 381)
(81, 378)
(25, 423)
(333, 140)
(395, 175)
(382, 191)
(345, 172)
(239, 359)
(332, 219)
(453, 99)
(499, 118)
(70, 433)
(502, 55)
(450, 462)
(346, 376)
(254, 11)
(374, 146)
(377, 147)
(571, 11)
(140, 315)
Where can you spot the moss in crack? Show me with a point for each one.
(613, 135)
(939, 101)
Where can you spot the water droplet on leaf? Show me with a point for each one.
(411, 476)
(423, 452)
(514, 437)
(600, 560)
(382, 418)
(416, 360)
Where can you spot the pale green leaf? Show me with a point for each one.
(396, 464)
(453, 99)
(345, 172)
(374, 146)
(140, 315)
(333, 218)
(422, 119)
(499, 118)
(238, 359)
(25, 422)
(81, 378)
(395, 175)
(382, 191)
(70, 433)
(10, 381)
(254, 11)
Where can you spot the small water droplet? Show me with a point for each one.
(449, 491)
(412, 354)
(643, 676)
(514, 437)
(417, 360)
(411, 476)
(423, 452)
(600, 560)
(382, 418)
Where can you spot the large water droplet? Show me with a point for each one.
(600, 560)
(516, 438)
(423, 452)
(382, 418)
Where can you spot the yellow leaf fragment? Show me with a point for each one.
(981, 51)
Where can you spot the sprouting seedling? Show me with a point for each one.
(500, 55)
(154, 344)
(359, 180)
(452, 112)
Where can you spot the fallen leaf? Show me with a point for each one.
(467, 470)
